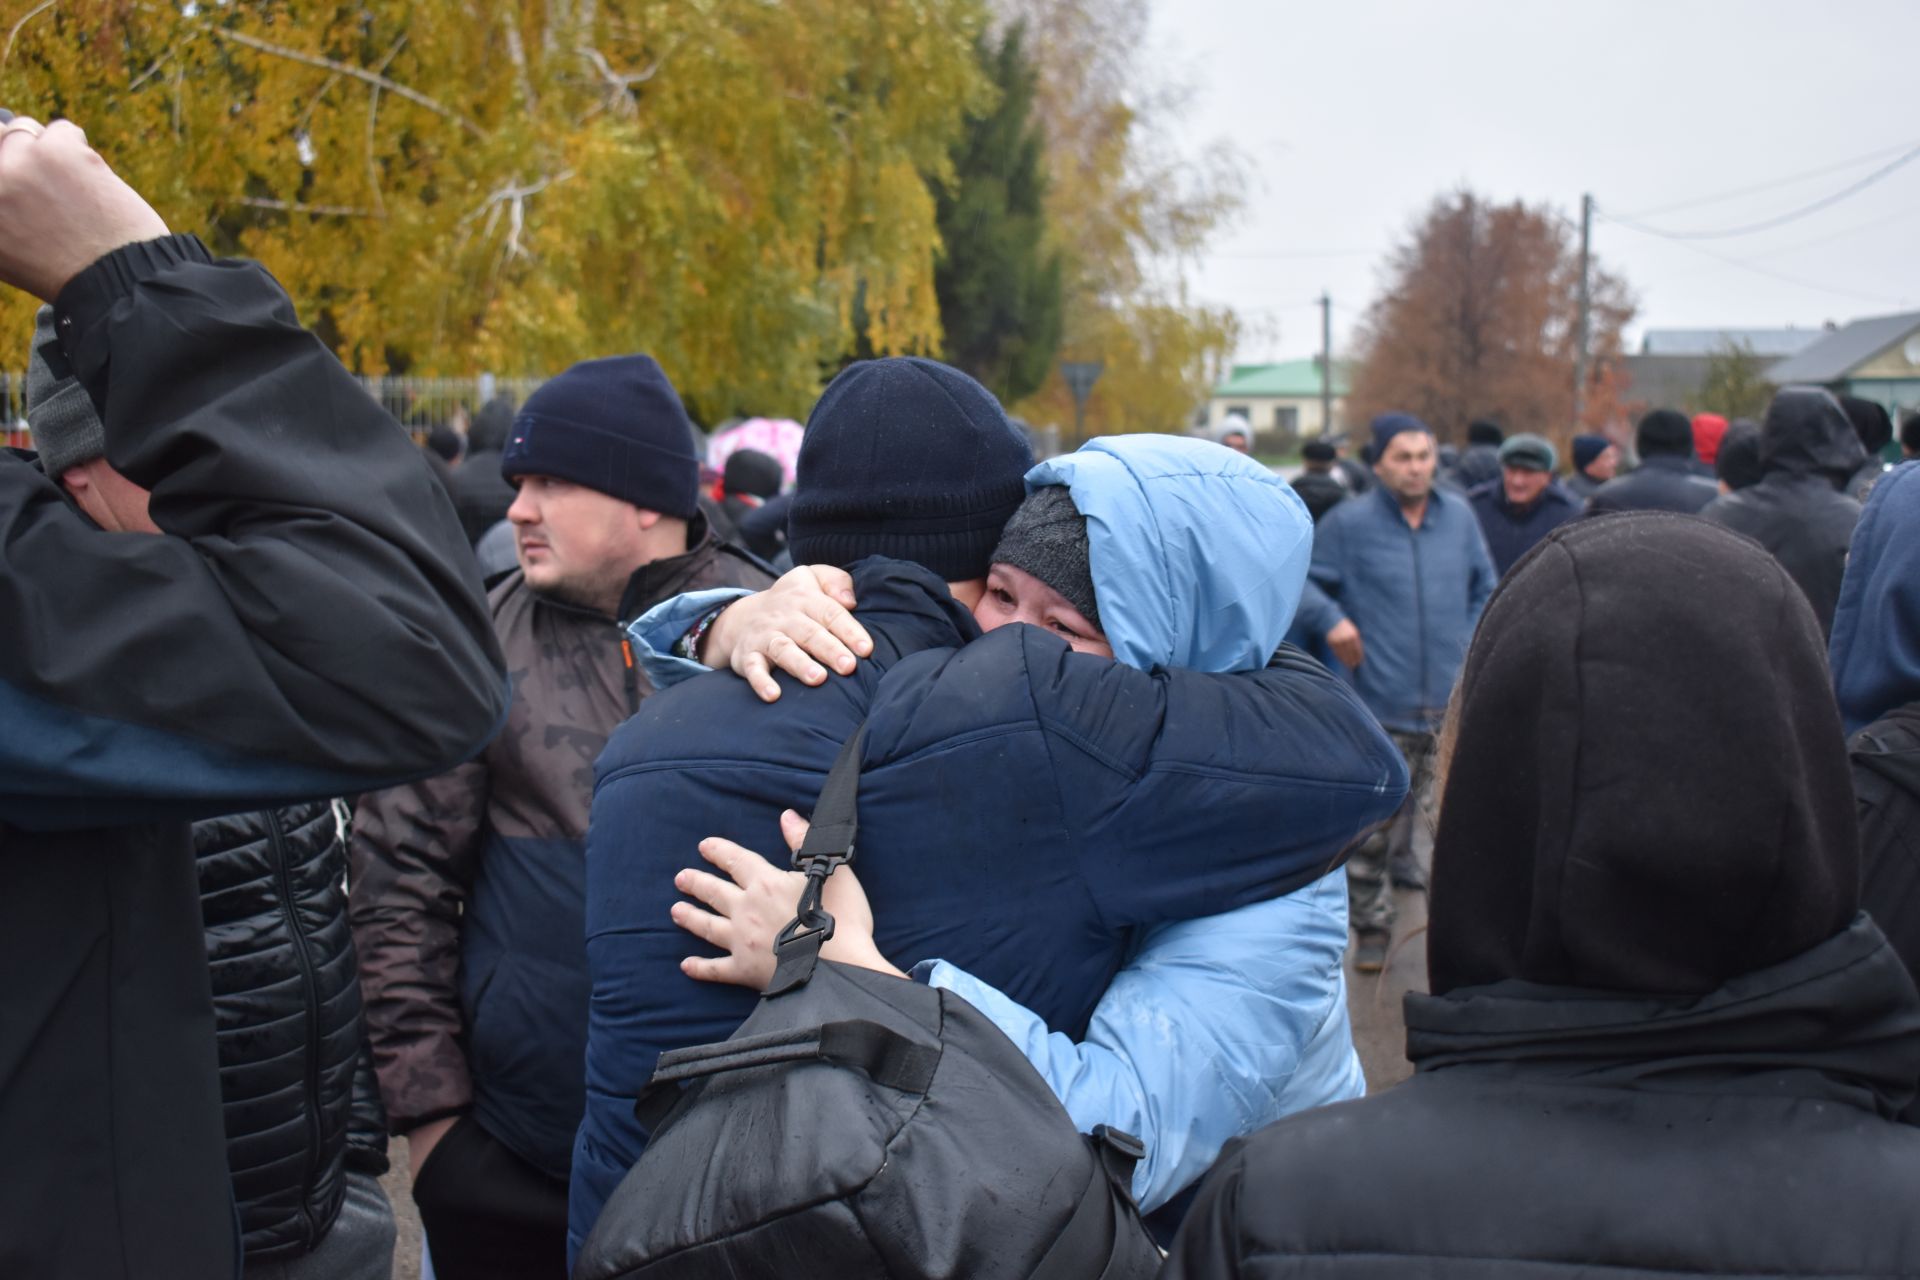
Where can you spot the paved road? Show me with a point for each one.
(1379, 1032)
(1374, 999)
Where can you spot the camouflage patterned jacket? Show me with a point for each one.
(467, 889)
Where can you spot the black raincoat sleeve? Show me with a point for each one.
(312, 625)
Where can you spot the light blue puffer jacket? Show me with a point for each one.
(1216, 1027)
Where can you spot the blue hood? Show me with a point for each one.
(1198, 553)
(1875, 651)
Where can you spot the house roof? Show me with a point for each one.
(1775, 343)
(1838, 354)
(1665, 382)
(1296, 379)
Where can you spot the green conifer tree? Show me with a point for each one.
(998, 276)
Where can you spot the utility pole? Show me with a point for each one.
(1326, 364)
(1586, 313)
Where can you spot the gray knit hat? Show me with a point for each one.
(66, 429)
(1047, 537)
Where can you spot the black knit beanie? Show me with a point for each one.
(908, 458)
(615, 425)
(1047, 537)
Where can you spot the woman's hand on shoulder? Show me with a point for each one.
(744, 912)
(802, 624)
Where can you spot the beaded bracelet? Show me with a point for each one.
(688, 646)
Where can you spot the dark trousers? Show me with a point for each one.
(1371, 863)
(489, 1214)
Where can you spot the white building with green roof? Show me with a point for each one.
(1282, 400)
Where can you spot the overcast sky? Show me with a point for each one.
(1353, 114)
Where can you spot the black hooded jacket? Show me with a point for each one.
(1808, 450)
(1886, 782)
(1663, 1041)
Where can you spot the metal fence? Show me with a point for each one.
(418, 404)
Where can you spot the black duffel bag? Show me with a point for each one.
(859, 1125)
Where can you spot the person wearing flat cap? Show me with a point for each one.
(1525, 504)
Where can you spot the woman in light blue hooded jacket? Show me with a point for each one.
(1215, 1027)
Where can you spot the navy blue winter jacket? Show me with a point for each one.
(1875, 650)
(1510, 531)
(1023, 809)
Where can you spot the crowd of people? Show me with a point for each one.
(355, 790)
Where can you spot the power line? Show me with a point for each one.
(1853, 188)
(1836, 167)
(1793, 280)
(1898, 215)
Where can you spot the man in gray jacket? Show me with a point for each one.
(1398, 580)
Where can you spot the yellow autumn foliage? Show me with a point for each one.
(451, 186)
(1129, 205)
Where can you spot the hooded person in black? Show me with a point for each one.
(1875, 656)
(1662, 1039)
(1808, 450)
(1874, 425)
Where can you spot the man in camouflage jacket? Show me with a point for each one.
(468, 897)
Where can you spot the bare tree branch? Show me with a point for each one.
(158, 63)
(517, 54)
(373, 116)
(510, 199)
(319, 210)
(619, 85)
(25, 18)
(358, 73)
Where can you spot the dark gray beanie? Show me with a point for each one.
(1047, 537)
(66, 429)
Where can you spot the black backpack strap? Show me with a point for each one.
(883, 1054)
(1092, 1235)
(829, 844)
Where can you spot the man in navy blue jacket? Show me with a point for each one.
(1398, 581)
(1525, 504)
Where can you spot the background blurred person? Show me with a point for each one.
(1808, 450)
(1596, 460)
(1397, 584)
(1665, 480)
